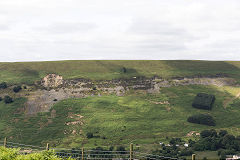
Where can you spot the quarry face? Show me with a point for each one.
(53, 88)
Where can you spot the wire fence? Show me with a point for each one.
(90, 154)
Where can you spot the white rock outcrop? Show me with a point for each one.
(52, 80)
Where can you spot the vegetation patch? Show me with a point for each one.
(8, 99)
(14, 154)
(3, 85)
(214, 144)
(17, 89)
(203, 101)
(202, 119)
(115, 120)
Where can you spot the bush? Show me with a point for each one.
(89, 135)
(3, 85)
(202, 119)
(121, 149)
(14, 154)
(17, 89)
(186, 152)
(8, 99)
(124, 70)
(0, 98)
(203, 101)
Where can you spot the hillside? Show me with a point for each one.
(148, 104)
(29, 72)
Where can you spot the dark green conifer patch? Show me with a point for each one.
(203, 101)
(202, 119)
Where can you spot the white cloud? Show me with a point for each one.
(67, 27)
(114, 29)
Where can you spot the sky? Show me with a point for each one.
(47, 30)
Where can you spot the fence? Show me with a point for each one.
(93, 154)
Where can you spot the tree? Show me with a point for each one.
(202, 119)
(17, 89)
(228, 141)
(203, 101)
(121, 149)
(222, 133)
(89, 135)
(208, 133)
(124, 70)
(3, 85)
(8, 99)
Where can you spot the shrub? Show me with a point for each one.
(17, 89)
(186, 152)
(89, 135)
(124, 70)
(202, 119)
(0, 98)
(203, 101)
(14, 154)
(8, 99)
(3, 85)
(111, 148)
(121, 149)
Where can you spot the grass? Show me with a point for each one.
(207, 154)
(137, 118)
(29, 72)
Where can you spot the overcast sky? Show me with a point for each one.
(37, 30)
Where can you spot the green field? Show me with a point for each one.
(29, 72)
(139, 117)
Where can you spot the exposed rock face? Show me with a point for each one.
(42, 100)
(52, 80)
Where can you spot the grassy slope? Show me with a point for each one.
(145, 122)
(28, 72)
(121, 120)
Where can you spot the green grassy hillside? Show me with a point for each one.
(144, 119)
(139, 117)
(28, 72)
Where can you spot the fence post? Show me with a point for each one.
(131, 151)
(82, 153)
(5, 142)
(47, 147)
(193, 156)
